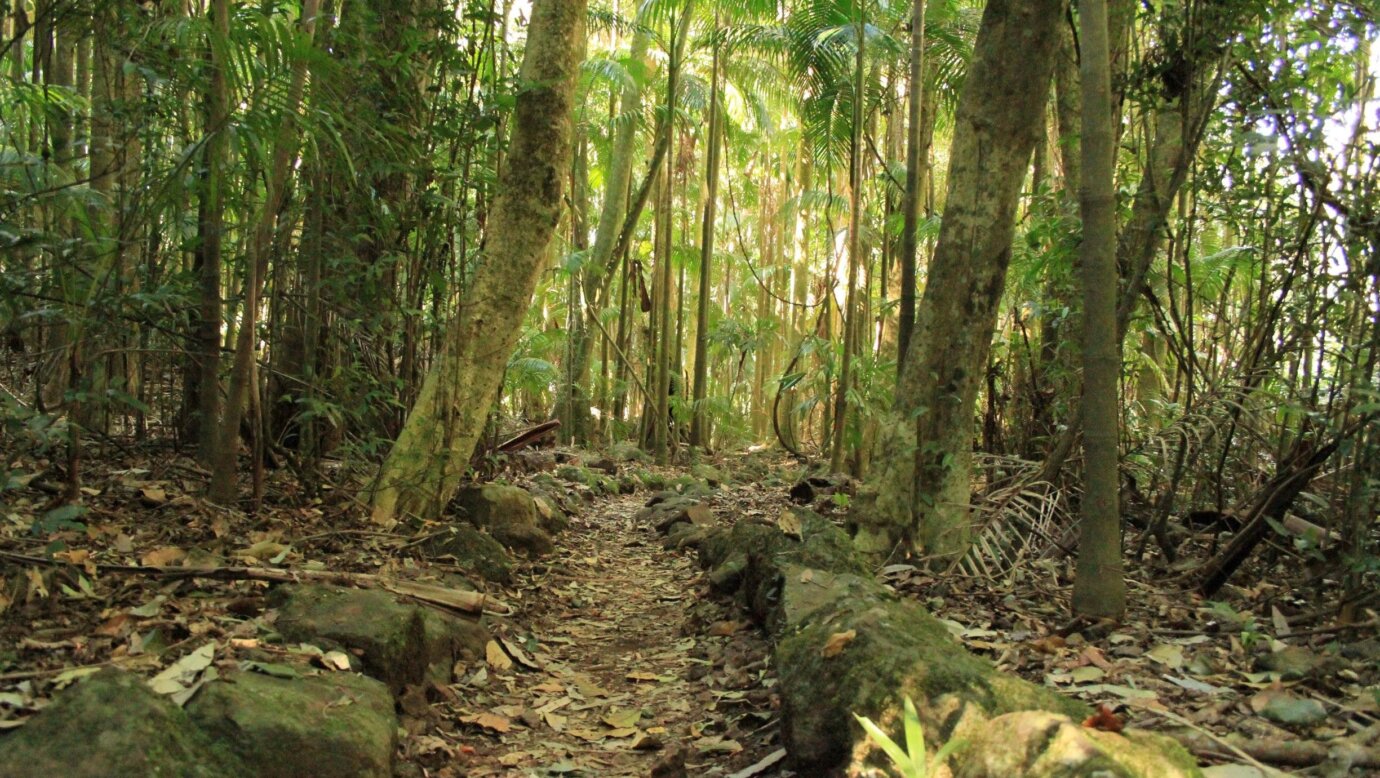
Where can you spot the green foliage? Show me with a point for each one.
(911, 761)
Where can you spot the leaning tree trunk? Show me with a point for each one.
(919, 490)
(430, 456)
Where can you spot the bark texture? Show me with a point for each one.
(1100, 590)
(429, 459)
(919, 490)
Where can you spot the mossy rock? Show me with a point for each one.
(508, 513)
(475, 551)
(811, 588)
(399, 643)
(651, 481)
(574, 474)
(1037, 744)
(665, 512)
(555, 491)
(112, 724)
(753, 554)
(551, 516)
(709, 474)
(324, 725)
(626, 451)
(690, 486)
(896, 649)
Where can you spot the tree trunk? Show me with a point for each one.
(598, 269)
(915, 157)
(1100, 588)
(919, 490)
(430, 457)
(223, 459)
(855, 258)
(699, 420)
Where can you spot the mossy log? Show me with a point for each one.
(847, 645)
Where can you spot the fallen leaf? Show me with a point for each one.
(1280, 622)
(152, 496)
(336, 660)
(114, 626)
(837, 642)
(497, 659)
(723, 628)
(1104, 720)
(1087, 674)
(1167, 654)
(180, 674)
(163, 557)
(264, 550)
(790, 524)
(515, 651)
(490, 721)
(622, 719)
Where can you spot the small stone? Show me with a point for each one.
(1294, 711)
(1291, 662)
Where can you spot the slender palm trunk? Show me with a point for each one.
(1100, 588)
(699, 422)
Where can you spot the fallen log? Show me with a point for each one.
(452, 600)
(846, 645)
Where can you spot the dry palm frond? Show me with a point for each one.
(1016, 518)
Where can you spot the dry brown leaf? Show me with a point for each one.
(114, 626)
(497, 659)
(490, 721)
(723, 629)
(163, 557)
(790, 524)
(837, 642)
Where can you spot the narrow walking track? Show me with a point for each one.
(621, 666)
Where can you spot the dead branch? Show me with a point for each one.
(1286, 753)
(454, 601)
(528, 437)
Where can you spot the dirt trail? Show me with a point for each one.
(631, 667)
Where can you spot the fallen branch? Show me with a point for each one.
(461, 602)
(1286, 753)
(528, 437)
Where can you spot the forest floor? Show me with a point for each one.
(615, 660)
(636, 669)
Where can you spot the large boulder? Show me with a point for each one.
(473, 550)
(109, 724)
(508, 513)
(312, 726)
(399, 643)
